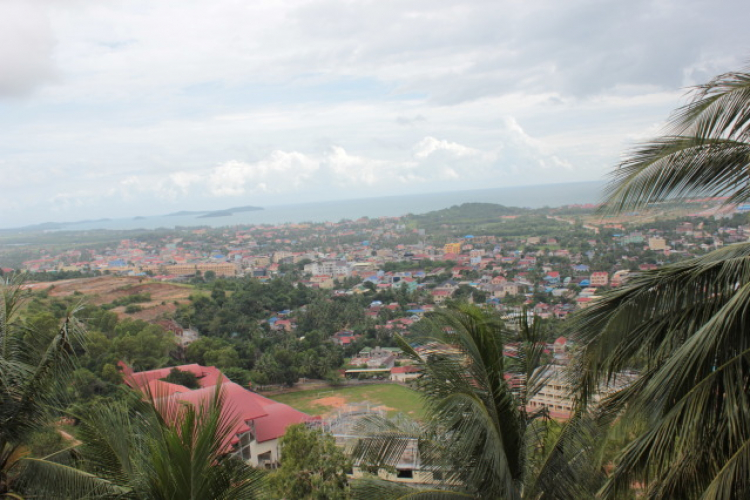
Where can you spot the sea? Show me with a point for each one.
(536, 196)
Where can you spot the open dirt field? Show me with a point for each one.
(105, 289)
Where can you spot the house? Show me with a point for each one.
(259, 422)
(344, 337)
(440, 296)
(599, 278)
(404, 374)
(380, 352)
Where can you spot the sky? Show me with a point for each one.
(114, 108)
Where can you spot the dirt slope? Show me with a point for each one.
(105, 289)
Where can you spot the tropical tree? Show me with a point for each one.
(683, 325)
(33, 369)
(312, 467)
(479, 436)
(152, 448)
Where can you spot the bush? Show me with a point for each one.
(179, 377)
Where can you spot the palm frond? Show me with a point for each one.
(687, 322)
(679, 167)
(718, 108)
(373, 489)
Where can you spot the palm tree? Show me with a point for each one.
(153, 448)
(33, 368)
(479, 435)
(684, 325)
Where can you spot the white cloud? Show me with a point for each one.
(430, 145)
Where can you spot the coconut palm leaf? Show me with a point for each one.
(706, 151)
(478, 434)
(153, 449)
(687, 324)
(373, 489)
(33, 373)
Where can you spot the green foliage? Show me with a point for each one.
(46, 441)
(154, 449)
(685, 323)
(132, 299)
(238, 376)
(33, 372)
(223, 358)
(478, 433)
(179, 377)
(312, 467)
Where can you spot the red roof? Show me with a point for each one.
(406, 369)
(160, 388)
(207, 375)
(268, 419)
(278, 417)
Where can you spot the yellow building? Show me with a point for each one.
(657, 244)
(220, 268)
(452, 248)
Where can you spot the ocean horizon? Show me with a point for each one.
(533, 196)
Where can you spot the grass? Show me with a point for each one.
(397, 398)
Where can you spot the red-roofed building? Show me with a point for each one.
(405, 373)
(259, 421)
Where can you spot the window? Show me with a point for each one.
(404, 473)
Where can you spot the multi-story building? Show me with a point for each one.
(259, 422)
(599, 278)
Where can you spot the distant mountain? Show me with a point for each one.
(229, 211)
(52, 226)
(247, 208)
(218, 213)
(469, 213)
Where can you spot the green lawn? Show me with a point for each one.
(397, 398)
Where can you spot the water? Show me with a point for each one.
(552, 195)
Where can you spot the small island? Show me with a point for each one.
(229, 211)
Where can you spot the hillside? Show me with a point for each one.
(107, 289)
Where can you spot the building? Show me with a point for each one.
(405, 374)
(557, 394)
(599, 278)
(657, 244)
(259, 421)
(452, 248)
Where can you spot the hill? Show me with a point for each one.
(107, 289)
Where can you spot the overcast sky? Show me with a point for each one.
(121, 108)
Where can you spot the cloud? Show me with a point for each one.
(143, 105)
(431, 163)
(430, 145)
(26, 48)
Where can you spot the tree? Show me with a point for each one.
(185, 378)
(479, 435)
(312, 467)
(684, 325)
(33, 371)
(152, 448)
